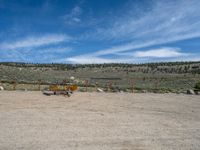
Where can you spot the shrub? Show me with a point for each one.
(197, 86)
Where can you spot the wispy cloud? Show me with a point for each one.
(144, 43)
(74, 16)
(44, 48)
(50, 54)
(35, 41)
(151, 55)
(165, 22)
(54, 50)
(46, 54)
(12, 55)
(163, 19)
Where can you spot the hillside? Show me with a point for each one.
(171, 76)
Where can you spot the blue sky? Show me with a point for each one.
(99, 31)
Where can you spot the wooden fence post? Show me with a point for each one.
(64, 81)
(157, 83)
(132, 85)
(39, 84)
(86, 85)
(14, 84)
(110, 85)
(96, 86)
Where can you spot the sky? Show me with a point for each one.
(99, 31)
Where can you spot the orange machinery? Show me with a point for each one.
(65, 90)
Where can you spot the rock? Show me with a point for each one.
(99, 90)
(1, 88)
(197, 92)
(190, 92)
(144, 91)
(76, 81)
(72, 78)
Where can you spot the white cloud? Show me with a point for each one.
(160, 53)
(94, 60)
(87, 60)
(126, 59)
(35, 41)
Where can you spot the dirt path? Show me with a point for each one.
(94, 121)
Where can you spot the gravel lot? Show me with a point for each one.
(94, 121)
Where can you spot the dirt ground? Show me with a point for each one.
(94, 121)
